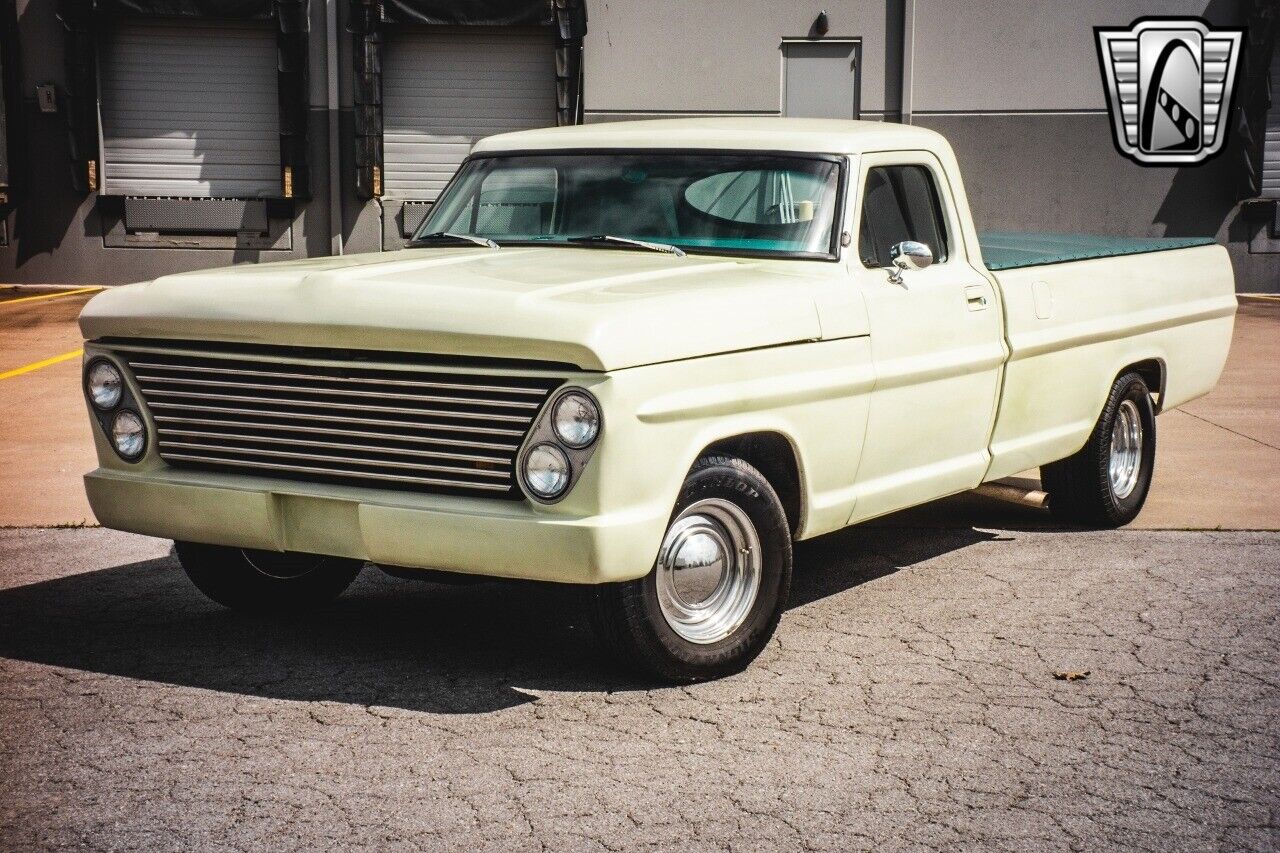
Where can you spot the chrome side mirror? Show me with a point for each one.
(908, 255)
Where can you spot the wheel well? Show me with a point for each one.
(772, 455)
(1152, 371)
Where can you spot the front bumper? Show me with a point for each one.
(470, 535)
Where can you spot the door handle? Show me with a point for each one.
(976, 296)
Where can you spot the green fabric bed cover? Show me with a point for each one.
(1009, 250)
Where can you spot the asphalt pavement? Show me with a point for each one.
(928, 690)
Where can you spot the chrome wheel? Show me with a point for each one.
(281, 566)
(1126, 450)
(708, 571)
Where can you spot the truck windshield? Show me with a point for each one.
(740, 204)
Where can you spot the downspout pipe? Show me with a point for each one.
(908, 56)
(332, 110)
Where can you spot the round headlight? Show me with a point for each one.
(129, 435)
(546, 471)
(105, 385)
(576, 419)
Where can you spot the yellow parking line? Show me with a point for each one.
(18, 371)
(57, 295)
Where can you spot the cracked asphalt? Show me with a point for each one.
(908, 702)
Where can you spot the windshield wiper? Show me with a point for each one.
(463, 238)
(665, 248)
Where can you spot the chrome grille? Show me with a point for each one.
(421, 428)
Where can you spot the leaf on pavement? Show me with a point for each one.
(1071, 675)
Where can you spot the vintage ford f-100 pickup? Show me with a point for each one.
(647, 357)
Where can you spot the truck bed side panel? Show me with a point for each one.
(1073, 327)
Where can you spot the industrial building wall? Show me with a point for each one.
(1034, 137)
(1014, 84)
(57, 235)
(663, 57)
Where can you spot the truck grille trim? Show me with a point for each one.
(328, 419)
(287, 455)
(282, 427)
(216, 463)
(336, 392)
(186, 435)
(353, 380)
(433, 430)
(158, 394)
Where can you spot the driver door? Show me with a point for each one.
(937, 340)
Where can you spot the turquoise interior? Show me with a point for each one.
(759, 244)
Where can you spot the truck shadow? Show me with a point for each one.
(393, 643)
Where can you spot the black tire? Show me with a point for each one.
(629, 619)
(1080, 488)
(265, 581)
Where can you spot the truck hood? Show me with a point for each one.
(598, 309)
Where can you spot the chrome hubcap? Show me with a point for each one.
(281, 566)
(708, 572)
(1126, 450)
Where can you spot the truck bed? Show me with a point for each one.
(1080, 310)
(1011, 250)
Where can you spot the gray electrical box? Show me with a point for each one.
(47, 97)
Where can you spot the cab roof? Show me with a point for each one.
(762, 133)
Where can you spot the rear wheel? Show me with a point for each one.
(718, 586)
(1105, 484)
(265, 581)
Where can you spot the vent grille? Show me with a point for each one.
(424, 430)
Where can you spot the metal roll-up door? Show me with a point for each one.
(444, 89)
(1271, 147)
(189, 109)
(4, 132)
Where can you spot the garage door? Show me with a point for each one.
(1271, 148)
(189, 109)
(443, 90)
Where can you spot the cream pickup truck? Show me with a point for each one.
(646, 357)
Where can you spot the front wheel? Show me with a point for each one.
(1105, 484)
(265, 581)
(718, 586)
